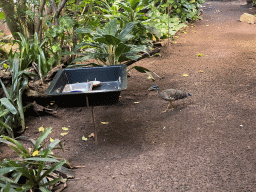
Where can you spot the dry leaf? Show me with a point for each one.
(63, 134)
(64, 128)
(201, 71)
(185, 75)
(41, 129)
(104, 123)
(35, 153)
(91, 135)
(137, 102)
(84, 138)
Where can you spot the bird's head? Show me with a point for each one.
(153, 87)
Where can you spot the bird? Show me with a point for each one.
(170, 95)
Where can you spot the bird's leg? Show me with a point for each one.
(169, 107)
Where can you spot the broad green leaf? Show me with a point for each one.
(109, 40)
(134, 3)
(5, 102)
(126, 30)
(122, 48)
(111, 27)
(153, 30)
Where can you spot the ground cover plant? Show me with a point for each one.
(38, 168)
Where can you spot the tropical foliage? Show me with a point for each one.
(11, 107)
(38, 167)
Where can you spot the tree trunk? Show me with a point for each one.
(11, 19)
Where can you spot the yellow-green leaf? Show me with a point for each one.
(137, 102)
(64, 128)
(63, 134)
(51, 140)
(185, 75)
(201, 71)
(35, 153)
(41, 129)
(84, 138)
(199, 55)
(104, 123)
(5, 66)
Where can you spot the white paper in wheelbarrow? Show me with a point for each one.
(78, 87)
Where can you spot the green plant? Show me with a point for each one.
(11, 107)
(186, 10)
(32, 52)
(37, 167)
(160, 21)
(109, 45)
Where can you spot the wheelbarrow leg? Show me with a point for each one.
(94, 122)
(95, 127)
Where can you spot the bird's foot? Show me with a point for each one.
(167, 110)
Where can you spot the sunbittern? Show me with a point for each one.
(170, 95)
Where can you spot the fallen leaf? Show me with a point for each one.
(5, 66)
(91, 135)
(201, 71)
(199, 55)
(51, 140)
(64, 128)
(63, 134)
(207, 25)
(185, 75)
(185, 32)
(104, 123)
(84, 138)
(41, 129)
(137, 102)
(35, 153)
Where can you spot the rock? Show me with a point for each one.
(248, 18)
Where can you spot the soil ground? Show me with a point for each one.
(207, 143)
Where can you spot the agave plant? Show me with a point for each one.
(38, 167)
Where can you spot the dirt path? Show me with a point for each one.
(207, 143)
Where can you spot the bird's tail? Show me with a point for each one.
(189, 94)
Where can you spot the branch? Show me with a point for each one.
(57, 12)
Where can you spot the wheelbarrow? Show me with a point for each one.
(96, 85)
